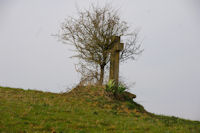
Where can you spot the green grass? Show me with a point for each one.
(83, 110)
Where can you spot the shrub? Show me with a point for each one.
(121, 88)
(112, 87)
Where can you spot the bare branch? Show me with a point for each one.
(91, 33)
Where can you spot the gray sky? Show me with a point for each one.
(167, 74)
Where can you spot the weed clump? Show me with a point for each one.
(118, 91)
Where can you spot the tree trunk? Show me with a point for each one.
(101, 75)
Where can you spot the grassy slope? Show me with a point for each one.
(82, 110)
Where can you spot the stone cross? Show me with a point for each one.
(114, 59)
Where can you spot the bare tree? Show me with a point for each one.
(91, 33)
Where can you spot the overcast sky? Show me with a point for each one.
(167, 74)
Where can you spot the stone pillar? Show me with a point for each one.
(114, 59)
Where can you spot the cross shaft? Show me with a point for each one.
(114, 60)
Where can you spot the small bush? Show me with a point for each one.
(121, 88)
(110, 86)
(115, 89)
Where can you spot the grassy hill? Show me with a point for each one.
(82, 110)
